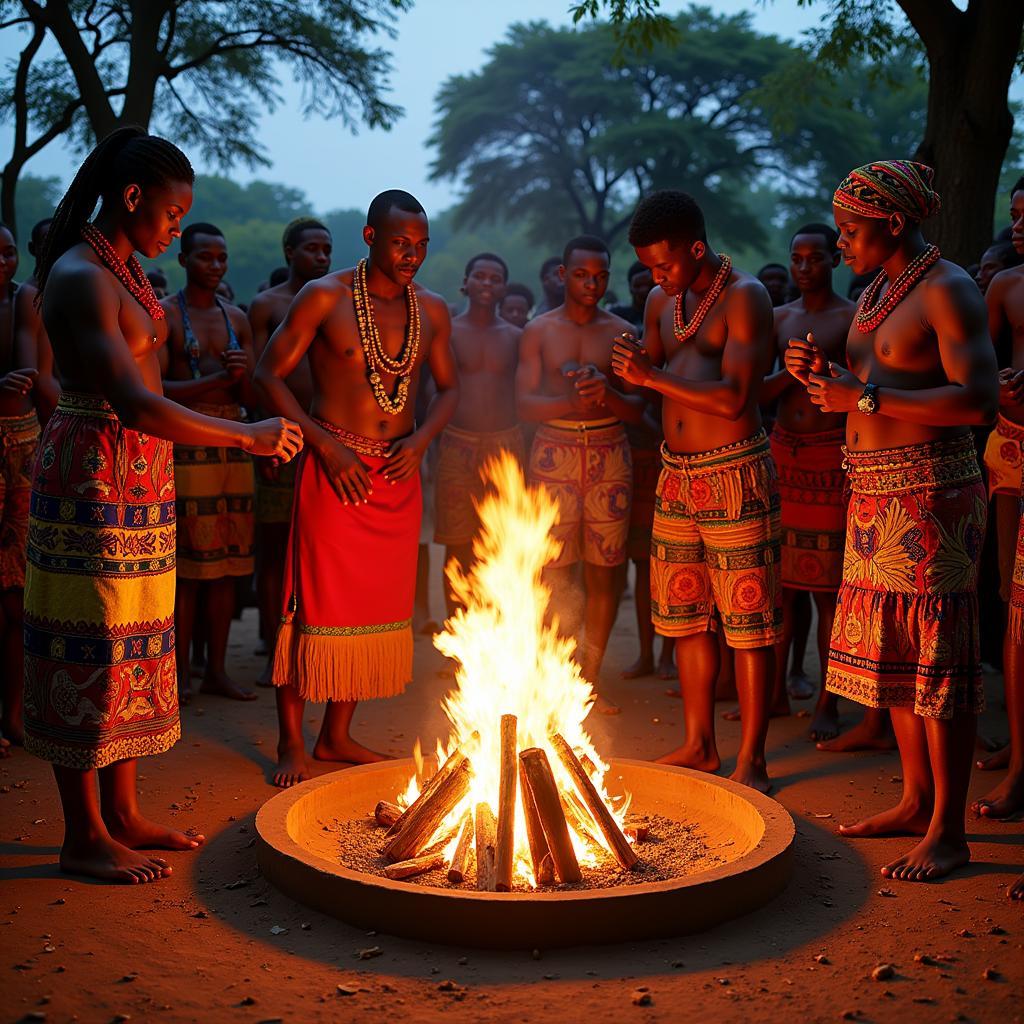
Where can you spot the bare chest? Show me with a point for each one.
(902, 343)
(490, 353)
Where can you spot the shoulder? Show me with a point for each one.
(80, 281)
(745, 293)
(320, 292)
(432, 303)
(614, 321)
(657, 300)
(949, 292)
(170, 306)
(25, 296)
(1002, 284)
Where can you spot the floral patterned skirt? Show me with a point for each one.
(906, 626)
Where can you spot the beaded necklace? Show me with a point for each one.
(683, 330)
(377, 360)
(130, 274)
(872, 312)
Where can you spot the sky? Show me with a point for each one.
(437, 38)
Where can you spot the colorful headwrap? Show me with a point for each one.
(885, 187)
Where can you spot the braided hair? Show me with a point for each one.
(127, 156)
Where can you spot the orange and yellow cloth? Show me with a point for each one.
(100, 682)
(1004, 457)
(349, 582)
(216, 524)
(715, 545)
(812, 486)
(19, 436)
(906, 626)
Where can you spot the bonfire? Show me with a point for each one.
(519, 796)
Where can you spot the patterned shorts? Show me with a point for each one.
(1016, 623)
(587, 467)
(1004, 456)
(906, 627)
(19, 436)
(716, 545)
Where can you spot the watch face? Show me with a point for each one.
(866, 404)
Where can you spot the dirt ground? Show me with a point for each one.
(216, 943)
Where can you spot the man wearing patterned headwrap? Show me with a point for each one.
(922, 372)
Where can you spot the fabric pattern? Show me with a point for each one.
(19, 437)
(906, 626)
(589, 471)
(1004, 457)
(462, 455)
(100, 682)
(216, 523)
(349, 583)
(1016, 614)
(885, 187)
(716, 545)
(812, 485)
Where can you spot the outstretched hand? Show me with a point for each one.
(277, 436)
(837, 391)
(803, 357)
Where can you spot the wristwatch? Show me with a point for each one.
(868, 401)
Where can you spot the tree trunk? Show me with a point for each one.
(969, 124)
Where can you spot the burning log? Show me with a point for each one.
(459, 866)
(602, 816)
(540, 855)
(425, 793)
(421, 821)
(414, 866)
(486, 841)
(541, 784)
(387, 813)
(505, 850)
(578, 817)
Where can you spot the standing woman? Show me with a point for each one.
(100, 686)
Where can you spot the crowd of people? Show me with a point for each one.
(765, 452)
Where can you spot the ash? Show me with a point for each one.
(672, 849)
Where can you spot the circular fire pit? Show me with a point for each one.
(750, 834)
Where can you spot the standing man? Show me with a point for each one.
(807, 448)
(486, 350)
(350, 569)
(640, 282)
(516, 305)
(206, 365)
(715, 545)
(1005, 300)
(775, 277)
(922, 371)
(551, 284)
(307, 249)
(580, 451)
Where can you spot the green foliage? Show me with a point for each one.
(638, 24)
(552, 133)
(36, 199)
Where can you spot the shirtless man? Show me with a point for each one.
(807, 449)
(516, 304)
(486, 350)
(206, 365)
(100, 687)
(580, 451)
(307, 251)
(1005, 300)
(350, 571)
(922, 371)
(707, 347)
(551, 284)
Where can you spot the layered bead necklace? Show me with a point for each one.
(872, 312)
(377, 360)
(130, 274)
(683, 330)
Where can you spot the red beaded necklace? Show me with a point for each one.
(872, 312)
(130, 274)
(683, 330)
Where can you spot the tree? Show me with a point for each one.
(199, 72)
(553, 131)
(971, 56)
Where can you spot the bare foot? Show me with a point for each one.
(1005, 801)
(111, 861)
(799, 687)
(905, 819)
(291, 767)
(753, 774)
(219, 685)
(5, 747)
(667, 668)
(867, 734)
(985, 744)
(1015, 890)
(266, 677)
(825, 724)
(603, 706)
(348, 751)
(704, 759)
(930, 859)
(997, 762)
(640, 668)
(140, 834)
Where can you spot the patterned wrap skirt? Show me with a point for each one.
(906, 626)
(100, 680)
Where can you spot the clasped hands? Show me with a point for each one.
(589, 386)
(830, 387)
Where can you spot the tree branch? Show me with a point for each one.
(932, 19)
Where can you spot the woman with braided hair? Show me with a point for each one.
(100, 686)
